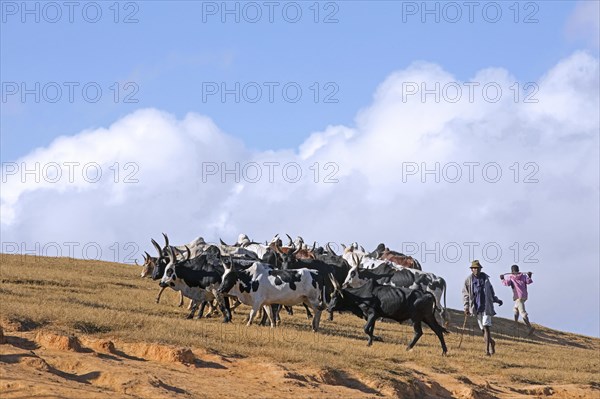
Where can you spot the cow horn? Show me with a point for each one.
(157, 247)
(343, 247)
(147, 254)
(276, 248)
(336, 285)
(296, 250)
(136, 262)
(166, 239)
(300, 239)
(314, 246)
(290, 238)
(331, 251)
(188, 252)
(362, 249)
(172, 257)
(222, 243)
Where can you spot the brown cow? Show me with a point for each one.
(400, 259)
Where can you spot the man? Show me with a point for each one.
(478, 300)
(518, 282)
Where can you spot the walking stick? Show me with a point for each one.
(462, 333)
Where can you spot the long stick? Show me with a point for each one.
(463, 331)
(504, 274)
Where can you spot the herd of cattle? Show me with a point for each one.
(372, 285)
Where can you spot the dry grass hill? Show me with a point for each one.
(87, 329)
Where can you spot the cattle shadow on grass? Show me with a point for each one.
(82, 378)
(22, 343)
(170, 388)
(198, 363)
(337, 377)
(128, 357)
(15, 358)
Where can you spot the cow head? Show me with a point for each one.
(169, 278)
(229, 278)
(148, 266)
(378, 251)
(276, 240)
(353, 278)
(288, 255)
(242, 240)
(336, 295)
(160, 262)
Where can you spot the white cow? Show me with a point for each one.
(261, 286)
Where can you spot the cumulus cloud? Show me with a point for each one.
(445, 170)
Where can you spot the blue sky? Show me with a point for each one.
(361, 130)
(170, 52)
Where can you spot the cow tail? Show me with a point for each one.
(323, 294)
(445, 308)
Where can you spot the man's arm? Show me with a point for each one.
(465, 293)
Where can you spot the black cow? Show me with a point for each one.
(402, 277)
(373, 301)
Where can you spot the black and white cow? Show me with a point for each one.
(398, 276)
(197, 278)
(372, 301)
(260, 286)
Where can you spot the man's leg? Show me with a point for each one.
(525, 316)
(490, 344)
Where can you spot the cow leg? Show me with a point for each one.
(189, 304)
(211, 309)
(290, 310)
(308, 314)
(270, 311)
(330, 316)
(159, 294)
(194, 308)
(439, 331)
(181, 299)
(276, 312)
(263, 317)
(226, 312)
(236, 304)
(202, 307)
(418, 333)
(370, 327)
(214, 308)
(316, 319)
(253, 312)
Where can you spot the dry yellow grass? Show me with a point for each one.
(109, 300)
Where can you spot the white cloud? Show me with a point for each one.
(554, 220)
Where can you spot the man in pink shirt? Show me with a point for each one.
(518, 282)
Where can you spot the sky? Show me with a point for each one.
(450, 131)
